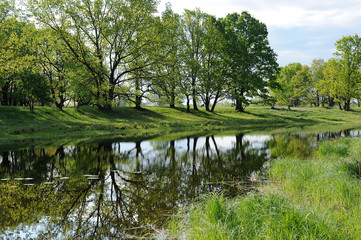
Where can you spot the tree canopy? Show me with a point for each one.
(119, 52)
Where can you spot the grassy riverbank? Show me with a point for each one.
(303, 199)
(19, 122)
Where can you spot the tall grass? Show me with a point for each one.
(256, 216)
(304, 199)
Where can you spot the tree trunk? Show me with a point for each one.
(207, 103)
(138, 98)
(172, 100)
(111, 92)
(239, 105)
(239, 102)
(346, 105)
(31, 105)
(339, 106)
(5, 89)
(188, 105)
(215, 102)
(195, 107)
(322, 101)
(138, 102)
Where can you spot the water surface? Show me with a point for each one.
(114, 189)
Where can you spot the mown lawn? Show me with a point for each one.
(19, 122)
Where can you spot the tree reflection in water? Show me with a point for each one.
(113, 190)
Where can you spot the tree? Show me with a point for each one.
(35, 87)
(169, 53)
(333, 85)
(348, 53)
(317, 75)
(342, 74)
(302, 85)
(57, 65)
(192, 23)
(212, 74)
(251, 62)
(17, 55)
(285, 78)
(104, 36)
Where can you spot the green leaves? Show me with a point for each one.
(294, 80)
(92, 50)
(106, 37)
(342, 74)
(251, 62)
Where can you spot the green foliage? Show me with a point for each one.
(293, 80)
(317, 75)
(212, 73)
(18, 57)
(107, 53)
(6, 8)
(169, 66)
(35, 87)
(250, 61)
(342, 74)
(193, 41)
(108, 38)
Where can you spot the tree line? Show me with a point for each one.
(334, 82)
(107, 52)
(113, 52)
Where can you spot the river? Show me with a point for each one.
(115, 188)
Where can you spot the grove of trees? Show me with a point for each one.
(335, 82)
(110, 52)
(113, 52)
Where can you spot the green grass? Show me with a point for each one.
(304, 199)
(19, 122)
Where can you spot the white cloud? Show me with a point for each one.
(282, 13)
(289, 17)
(299, 31)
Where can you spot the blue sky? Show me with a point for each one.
(299, 31)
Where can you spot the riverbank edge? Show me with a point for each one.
(317, 198)
(18, 123)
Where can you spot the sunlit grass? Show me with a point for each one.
(17, 122)
(304, 199)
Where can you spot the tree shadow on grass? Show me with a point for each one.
(198, 113)
(131, 113)
(269, 117)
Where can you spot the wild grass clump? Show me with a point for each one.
(256, 216)
(336, 147)
(327, 184)
(318, 198)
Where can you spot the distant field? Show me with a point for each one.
(19, 122)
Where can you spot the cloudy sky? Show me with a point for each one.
(299, 31)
